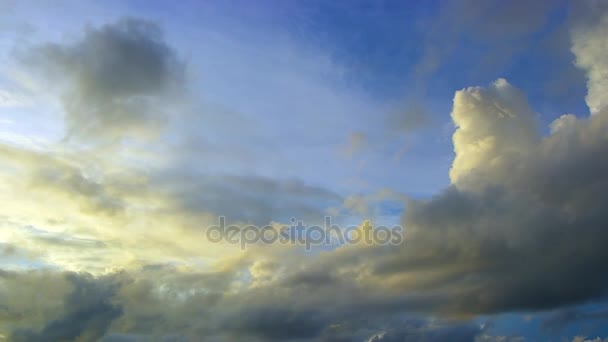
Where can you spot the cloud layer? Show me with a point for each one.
(114, 236)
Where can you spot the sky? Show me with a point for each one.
(130, 129)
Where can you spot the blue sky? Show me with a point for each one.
(127, 127)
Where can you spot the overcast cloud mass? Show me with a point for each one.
(127, 129)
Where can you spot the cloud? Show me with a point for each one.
(249, 199)
(89, 314)
(591, 50)
(520, 228)
(493, 125)
(11, 99)
(409, 118)
(276, 324)
(521, 216)
(489, 24)
(172, 303)
(63, 176)
(116, 80)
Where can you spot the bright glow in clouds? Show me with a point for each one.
(116, 155)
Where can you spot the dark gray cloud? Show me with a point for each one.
(165, 303)
(116, 80)
(89, 312)
(276, 324)
(251, 199)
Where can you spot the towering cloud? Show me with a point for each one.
(591, 50)
(493, 126)
(523, 221)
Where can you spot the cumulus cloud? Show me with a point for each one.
(518, 228)
(521, 223)
(116, 80)
(493, 125)
(591, 50)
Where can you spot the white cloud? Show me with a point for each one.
(591, 50)
(493, 125)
